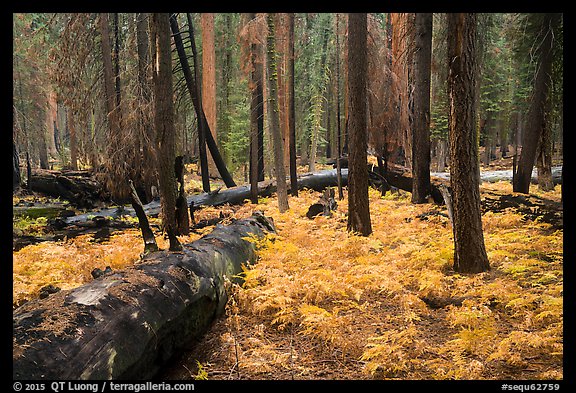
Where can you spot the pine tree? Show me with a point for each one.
(469, 250)
(358, 202)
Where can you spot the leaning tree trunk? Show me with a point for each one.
(469, 250)
(192, 86)
(537, 114)
(129, 323)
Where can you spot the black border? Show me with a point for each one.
(395, 6)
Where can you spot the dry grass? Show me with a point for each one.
(325, 304)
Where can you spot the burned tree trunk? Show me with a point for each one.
(127, 324)
(147, 234)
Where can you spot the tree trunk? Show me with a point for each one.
(129, 323)
(536, 121)
(73, 146)
(116, 178)
(469, 250)
(209, 79)
(182, 217)
(291, 108)
(192, 85)
(164, 123)
(401, 59)
(147, 234)
(16, 180)
(274, 119)
(358, 203)
(338, 115)
(421, 129)
(195, 91)
(256, 121)
(148, 175)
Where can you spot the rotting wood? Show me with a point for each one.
(129, 323)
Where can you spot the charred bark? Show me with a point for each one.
(127, 324)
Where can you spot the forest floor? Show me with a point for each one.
(325, 304)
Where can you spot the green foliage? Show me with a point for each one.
(27, 226)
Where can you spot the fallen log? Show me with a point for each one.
(127, 324)
(505, 175)
(317, 181)
(234, 196)
(80, 188)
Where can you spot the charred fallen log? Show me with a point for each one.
(80, 188)
(317, 181)
(128, 323)
(59, 230)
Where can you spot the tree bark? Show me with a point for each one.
(291, 108)
(16, 179)
(536, 121)
(469, 250)
(73, 143)
(129, 323)
(274, 119)
(164, 123)
(256, 120)
(421, 128)
(402, 30)
(148, 172)
(209, 79)
(116, 178)
(358, 202)
(338, 115)
(182, 217)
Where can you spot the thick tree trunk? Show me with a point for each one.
(358, 202)
(164, 124)
(469, 250)
(421, 129)
(127, 324)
